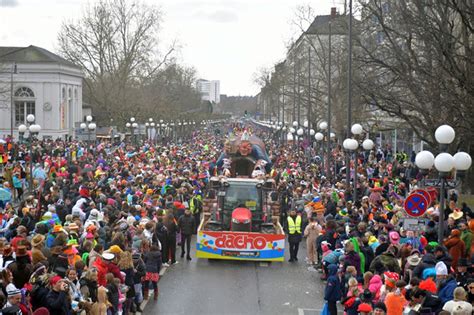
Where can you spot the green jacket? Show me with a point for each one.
(466, 237)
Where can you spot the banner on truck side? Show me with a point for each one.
(240, 246)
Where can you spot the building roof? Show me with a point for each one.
(320, 25)
(32, 54)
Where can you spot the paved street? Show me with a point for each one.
(231, 287)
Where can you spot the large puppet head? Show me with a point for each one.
(245, 148)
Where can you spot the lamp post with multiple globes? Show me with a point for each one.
(444, 163)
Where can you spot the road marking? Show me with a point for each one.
(264, 264)
(309, 311)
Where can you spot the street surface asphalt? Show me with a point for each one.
(212, 287)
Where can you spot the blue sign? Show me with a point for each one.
(416, 205)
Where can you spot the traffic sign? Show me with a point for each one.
(414, 224)
(415, 205)
(433, 193)
(425, 194)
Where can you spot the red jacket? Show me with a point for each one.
(103, 268)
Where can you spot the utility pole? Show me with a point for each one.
(309, 93)
(294, 89)
(328, 149)
(349, 99)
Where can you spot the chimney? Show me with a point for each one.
(333, 12)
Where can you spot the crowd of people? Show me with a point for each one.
(101, 219)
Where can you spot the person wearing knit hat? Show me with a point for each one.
(391, 278)
(446, 284)
(13, 300)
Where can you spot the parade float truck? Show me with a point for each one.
(241, 216)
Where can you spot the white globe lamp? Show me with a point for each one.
(368, 144)
(444, 162)
(445, 134)
(424, 160)
(462, 161)
(30, 118)
(356, 129)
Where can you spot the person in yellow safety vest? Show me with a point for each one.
(195, 205)
(294, 234)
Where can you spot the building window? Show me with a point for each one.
(63, 96)
(24, 92)
(69, 99)
(24, 104)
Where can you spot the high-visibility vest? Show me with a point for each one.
(294, 226)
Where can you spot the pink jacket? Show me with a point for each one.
(375, 284)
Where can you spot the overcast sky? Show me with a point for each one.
(226, 40)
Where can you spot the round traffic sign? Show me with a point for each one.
(433, 193)
(415, 205)
(425, 194)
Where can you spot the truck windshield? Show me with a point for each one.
(242, 195)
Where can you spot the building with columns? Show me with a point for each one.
(35, 81)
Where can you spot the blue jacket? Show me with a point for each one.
(333, 291)
(446, 292)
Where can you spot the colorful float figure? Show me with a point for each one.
(241, 210)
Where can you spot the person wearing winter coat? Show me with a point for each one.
(88, 285)
(427, 261)
(352, 258)
(186, 225)
(333, 290)
(126, 266)
(140, 272)
(162, 235)
(113, 294)
(387, 260)
(375, 284)
(456, 247)
(446, 283)
(58, 300)
(466, 237)
(152, 260)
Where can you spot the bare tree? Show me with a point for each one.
(116, 44)
(417, 62)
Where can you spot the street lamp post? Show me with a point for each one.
(90, 126)
(129, 126)
(352, 146)
(34, 130)
(444, 163)
(134, 128)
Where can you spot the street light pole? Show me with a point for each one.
(444, 163)
(328, 148)
(349, 88)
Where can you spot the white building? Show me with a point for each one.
(210, 90)
(43, 84)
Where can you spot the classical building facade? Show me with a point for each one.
(35, 81)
